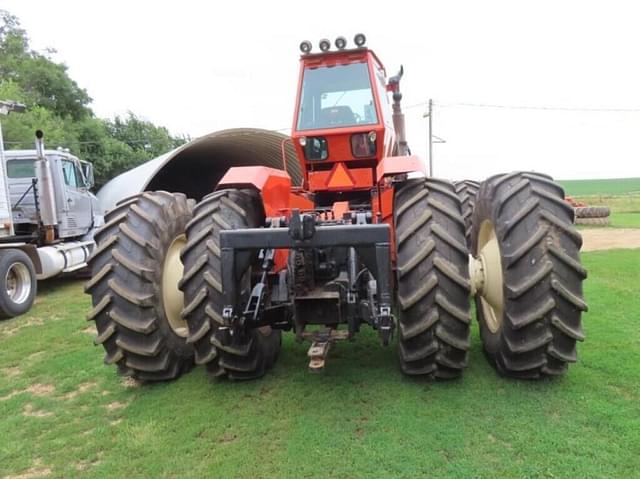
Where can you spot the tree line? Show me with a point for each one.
(57, 105)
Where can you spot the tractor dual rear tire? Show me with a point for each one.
(246, 357)
(467, 191)
(539, 251)
(432, 279)
(135, 314)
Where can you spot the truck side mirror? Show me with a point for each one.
(87, 172)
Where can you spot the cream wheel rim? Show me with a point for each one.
(172, 297)
(492, 290)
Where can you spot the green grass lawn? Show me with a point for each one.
(625, 220)
(65, 413)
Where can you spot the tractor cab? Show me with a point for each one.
(343, 119)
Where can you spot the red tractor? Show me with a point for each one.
(366, 239)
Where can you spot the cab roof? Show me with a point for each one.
(12, 154)
(335, 57)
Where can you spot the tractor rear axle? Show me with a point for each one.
(354, 258)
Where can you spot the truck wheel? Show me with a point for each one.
(467, 191)
(530, 304)
(134, 286)
(18, 284)
(252, 354)
(432, 278)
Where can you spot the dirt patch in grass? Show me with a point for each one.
(607, 238)
(131, 383)
(90, 330)
(114, 406)
(21, 324)
(10, 395)
(34, 356)
(38, 470)
(30, 411)
(34, 389)
(84, 465)
(82, 388)
(41, 389)
(11, 372)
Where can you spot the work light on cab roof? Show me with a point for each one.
(340, 42)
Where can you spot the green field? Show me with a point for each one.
(606, 187)
(65, 414)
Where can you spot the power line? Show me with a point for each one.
(529, 107)
(417, 105)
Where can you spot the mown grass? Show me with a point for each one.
(65, 413)
(625, 220)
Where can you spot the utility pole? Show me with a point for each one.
(430, 136)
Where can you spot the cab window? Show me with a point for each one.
(335, 97)
(384, 97)
(70, 174)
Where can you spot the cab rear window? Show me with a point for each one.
(21, 168)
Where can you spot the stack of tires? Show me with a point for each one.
(592, 215)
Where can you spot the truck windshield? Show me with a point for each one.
(336, 97)
(21, 168)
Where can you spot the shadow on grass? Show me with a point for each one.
(51, 285)
(363, 366)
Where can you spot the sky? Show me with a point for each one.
(197, 67)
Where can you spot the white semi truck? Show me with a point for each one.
(47, 219)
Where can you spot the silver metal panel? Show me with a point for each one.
(196, 167)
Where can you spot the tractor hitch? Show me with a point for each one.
(321, 341)
(342, 299)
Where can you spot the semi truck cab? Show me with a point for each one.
(72, 178)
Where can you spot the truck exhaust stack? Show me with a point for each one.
(46, 194)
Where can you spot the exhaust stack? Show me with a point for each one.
(46, 194)
(398, 116)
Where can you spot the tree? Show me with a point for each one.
(46, 83)
(142, 135)
(59, 107)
